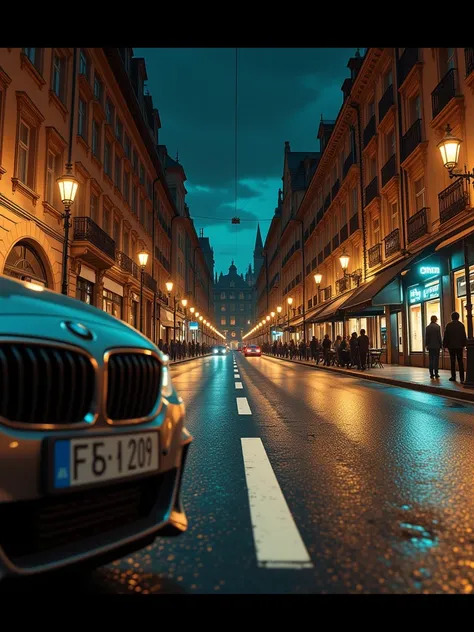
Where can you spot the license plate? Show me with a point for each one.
(91, 460)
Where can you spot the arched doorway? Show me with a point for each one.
(25, 263)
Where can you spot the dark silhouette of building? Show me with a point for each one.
(233, 304)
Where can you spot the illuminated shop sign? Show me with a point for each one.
(427, 293)
(430, 270)
(193, 325)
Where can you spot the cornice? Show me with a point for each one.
(20, 212)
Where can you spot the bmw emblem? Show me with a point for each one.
(79, 330)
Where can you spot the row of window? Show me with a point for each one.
(233, 308)
(232, 296)
(234, 321)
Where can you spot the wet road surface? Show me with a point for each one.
(311, 483)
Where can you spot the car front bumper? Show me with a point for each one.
(40, 532)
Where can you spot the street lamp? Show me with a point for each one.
(142, 260)
(68, 185)
(169, 286)
(344, 260)
(449, 148)
(318, 277)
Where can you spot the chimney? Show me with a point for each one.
(287, 146)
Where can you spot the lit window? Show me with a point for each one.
(232, 320)
(24, 157)
(223, 321)
(420, 194)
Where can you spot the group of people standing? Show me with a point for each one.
(454, 340)
(345, 351)
(180, 349)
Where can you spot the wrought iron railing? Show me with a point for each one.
(386, 102)
(411, 139)
(124, 262)
(353, 223)
(327, 202)
(375, 255)
(348, 162)
(327, 292)
(149, 282)
(417, 225)
(343, 234)
(392, 242)
(85, 229)
(342, 284)
(444, 91)
(469, 59)
(335, 188)
(453, 200)
(335, 241)
(327, 250)
(369, 131)
(162, 259)
(406, 62)
(389, 170)
(371, 190)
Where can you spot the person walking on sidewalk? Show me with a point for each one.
(455, 340)
(354, 349)
(313, 345)
(327, 350)
(433, 343)
(364, 345)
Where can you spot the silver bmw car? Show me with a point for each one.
(92, 436)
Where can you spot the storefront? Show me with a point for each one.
(134, 309)
(112, 298)
(459, 281)
(424, 301)
(85, 285)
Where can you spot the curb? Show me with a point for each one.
(413, 386)
(174, 362)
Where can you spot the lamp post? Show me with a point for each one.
(449, 148)
(142, 260)
(68, 185)
(290, 303)
(192, 310)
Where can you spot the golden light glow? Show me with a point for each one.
(268, 317)
(184, 302)
(200, 318)
(68, 185)
(13, 444)
(36, 287)
(449, 148)
(197, 314)
(290, 300)
(169, 285)
(192, 310)
(318, 277)
(279, 309)
(344, 259)
(143, 258)
(272, 314)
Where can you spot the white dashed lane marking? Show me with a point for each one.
(278, 543)
(238, 385)
(243, 407)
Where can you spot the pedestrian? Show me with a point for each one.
(302, 349)
(363, 344)
(434, 343)
(455, 340)
(354, 348)
(337, 348)
(326, 349)
(313, 345)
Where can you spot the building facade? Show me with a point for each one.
(112, 130)
(382, 203)
(234, 306)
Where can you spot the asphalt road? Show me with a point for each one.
(329, 484)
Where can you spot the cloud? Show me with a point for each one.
(281, 95)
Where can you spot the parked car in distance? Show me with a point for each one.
(92, 438)
(252, 350)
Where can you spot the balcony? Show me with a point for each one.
(162, 259)
(386, 103)
(375, 255)
(327, 292)
(389, 170)
(348, 162)
(411, 139)
(335, 188)
(290, 253)
(453, 200)
(320, 257)
(417, 225)
(343, 234)
(353, 223)
(327, 202)
(92, 244)
(392, 242)
(371, 191)
(406, 62)
(319, 216)
(342, 284)
(444, 91)
(327, 250)
(149, 282)
(369, 131)
(124, 262)
(469, 59)
(335, 242)
(162, 297)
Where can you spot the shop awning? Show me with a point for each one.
(383, 289)
(296, 322)
(167, 323)
(330, 311)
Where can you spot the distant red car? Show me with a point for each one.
(252, 350)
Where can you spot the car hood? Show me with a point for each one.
(33, 312)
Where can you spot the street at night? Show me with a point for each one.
(379, 481)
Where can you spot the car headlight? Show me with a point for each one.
(167, 388)
(216, 351)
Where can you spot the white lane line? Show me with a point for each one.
(243, 407)
(238, 385)
(236, 376)
(278, 543)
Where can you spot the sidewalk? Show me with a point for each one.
(414, 378)
(173, 362)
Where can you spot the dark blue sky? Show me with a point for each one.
(282, 93)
